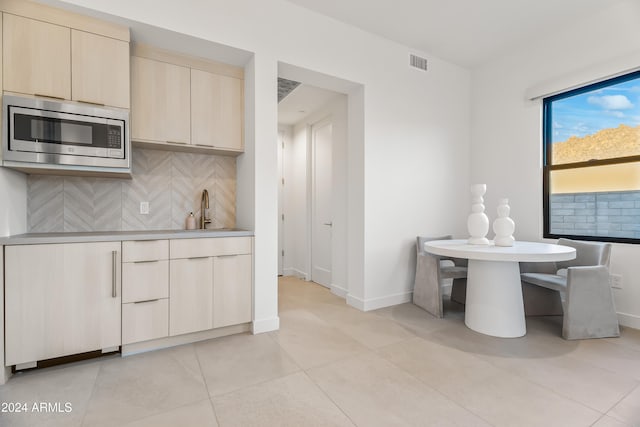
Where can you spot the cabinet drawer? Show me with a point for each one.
(143, 281)
(191, 248)
(145, 250)
(145, 321)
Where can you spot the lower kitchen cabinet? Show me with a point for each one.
(143, 281)
(145, 290)
(145, 320)
(61, 299)
(71, 298)
(231, 290)
(191, 295)
(210, 283)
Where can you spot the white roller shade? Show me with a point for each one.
(583, 77)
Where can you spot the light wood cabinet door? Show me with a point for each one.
(216, 110)
(36, 57)
(100, 69)
(190, 295)
(61, 299)
(232, 302)
(160, 102)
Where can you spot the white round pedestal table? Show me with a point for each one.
(494, 303)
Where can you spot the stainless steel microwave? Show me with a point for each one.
(47, 136)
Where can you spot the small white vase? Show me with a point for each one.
(478, 222)
(504, 226)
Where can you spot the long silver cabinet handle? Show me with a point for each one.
(114, 273)
(199, 257)
(91, 102)
(146, 261)
(226, 256)
(148, 300)
(48, 96)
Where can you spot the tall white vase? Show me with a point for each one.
(478, 222)
(504, 226)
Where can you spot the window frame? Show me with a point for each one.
(548, 167)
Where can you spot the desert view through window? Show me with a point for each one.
(592, 167)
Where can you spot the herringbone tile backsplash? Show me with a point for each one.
(171, 182)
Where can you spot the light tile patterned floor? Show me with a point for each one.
(332, 365)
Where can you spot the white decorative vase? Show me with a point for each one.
(504, 226)
(478, 222)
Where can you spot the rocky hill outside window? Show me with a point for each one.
(591, 139)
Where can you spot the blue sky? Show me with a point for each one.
(587, 113)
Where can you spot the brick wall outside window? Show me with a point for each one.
(613, 214)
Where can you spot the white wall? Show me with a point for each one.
(506, 131)
(410, 170)
(295, 202)
(296, 158)
(416, 164)
(257, 187)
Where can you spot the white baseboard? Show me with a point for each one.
(290, 271)
(355, 302)
(266, 325)
(339, 291)
(629, 320)
(380, 302)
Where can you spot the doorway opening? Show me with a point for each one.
(312, 156)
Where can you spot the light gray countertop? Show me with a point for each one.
(111, 236)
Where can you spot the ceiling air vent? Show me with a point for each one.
(418, 62)
(285, 87)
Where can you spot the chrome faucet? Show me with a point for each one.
(204, 204)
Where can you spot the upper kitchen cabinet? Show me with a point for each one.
(99, 69)
(216, 110)
(36, 57)
(58, 54)
(160, 107)
(184, 103)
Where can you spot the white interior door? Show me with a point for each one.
(321, 202)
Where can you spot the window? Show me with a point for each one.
(591, 139)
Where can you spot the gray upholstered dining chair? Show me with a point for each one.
(430, 273)
(583, 284)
